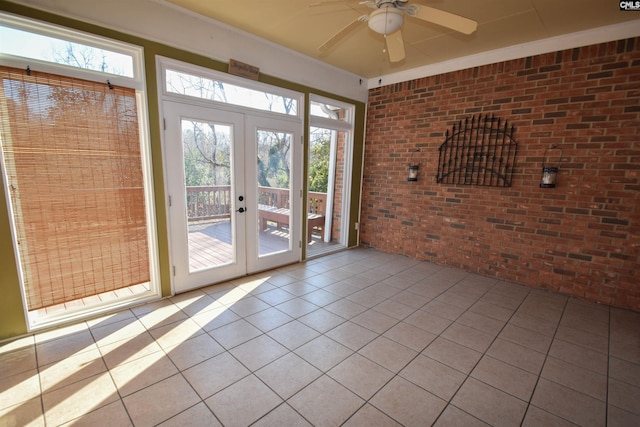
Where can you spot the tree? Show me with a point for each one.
(206, 151)
(319, 160)
(87, 57)
(274, 164)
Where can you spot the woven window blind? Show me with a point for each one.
(74, 171)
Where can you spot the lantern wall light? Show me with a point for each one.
(550, 169)
(413, 167)
(413, 172)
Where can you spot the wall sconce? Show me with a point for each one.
(413, 168)
(549, 170)
(413, 172)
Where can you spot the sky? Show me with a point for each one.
(29, 45)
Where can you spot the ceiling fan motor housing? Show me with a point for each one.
(386, 20)
(396, 3)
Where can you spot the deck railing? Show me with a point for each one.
(274, 197)
(214, 202)
(317, 202)
(208, 202)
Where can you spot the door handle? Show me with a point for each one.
(241, 210)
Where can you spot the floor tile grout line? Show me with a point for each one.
(449, 402)
(397, 374)
(467, 376)
(544, 362)
(185, 411)
(284, 402)
(179, 372)
(538, 375)
(113, 382)
(253, 373)
(38, 371)
(323, 373)
(265, 333)
(162, 349)
(547, 355)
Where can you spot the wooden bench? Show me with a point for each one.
(314, 222)
(281, 217)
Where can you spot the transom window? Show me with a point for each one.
(182, 83)
(58, 51)
(63, 51)
(329, 110)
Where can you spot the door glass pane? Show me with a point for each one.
(207, 173)
(274, 191)
(325, 189)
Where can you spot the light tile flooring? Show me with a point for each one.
(357, 338)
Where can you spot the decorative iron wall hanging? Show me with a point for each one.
(478, 151)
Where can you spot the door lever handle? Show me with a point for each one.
(241, 210)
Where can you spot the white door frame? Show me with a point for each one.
(255, 262)
(183, 278)
(244, 225)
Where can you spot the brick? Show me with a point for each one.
(564, 272)
(581, 257)
(615, 221)
(575, 238)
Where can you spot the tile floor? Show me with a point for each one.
(357, 338)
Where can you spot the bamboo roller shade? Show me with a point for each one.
(73, 165)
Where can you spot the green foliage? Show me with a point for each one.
(319, 165)
(207, 157)
(274, 164)
(206, 150)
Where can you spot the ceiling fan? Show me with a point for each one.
(388, 17)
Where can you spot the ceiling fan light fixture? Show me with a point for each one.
(386, 20)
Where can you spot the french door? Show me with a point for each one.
(234, 193)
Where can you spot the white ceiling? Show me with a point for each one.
(303, 27)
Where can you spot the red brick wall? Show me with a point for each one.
(581, 238)
(336, 222)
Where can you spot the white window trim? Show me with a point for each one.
(137, 83)
(340, 126)
(46, 29)
(164, 64)
(344, 125)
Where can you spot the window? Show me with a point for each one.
(183, 83)
(329, 111)
(329, 172)
(76, 170)
(55, 50)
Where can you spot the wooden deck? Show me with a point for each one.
(210, 230)
(210, 243)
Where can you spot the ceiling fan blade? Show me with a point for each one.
(395, 46)
(446, 19)
(326, 2)
(343, 32)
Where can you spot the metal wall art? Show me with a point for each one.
(478, 151)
